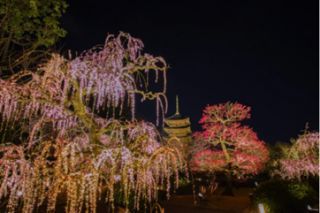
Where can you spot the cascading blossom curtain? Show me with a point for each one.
(76, 145)
(301, 160)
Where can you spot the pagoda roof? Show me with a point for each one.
(177, 127)
(180, 130)
(177, 122)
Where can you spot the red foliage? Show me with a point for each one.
(224, 144)
(208, 160)
(225, 113)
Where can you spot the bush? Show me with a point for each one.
(283, 196)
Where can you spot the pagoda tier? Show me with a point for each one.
(177, 126)
(182, 122)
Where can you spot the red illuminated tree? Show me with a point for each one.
(225, 145)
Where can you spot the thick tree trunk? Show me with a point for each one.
(228, 189)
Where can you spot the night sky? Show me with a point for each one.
(261, 54)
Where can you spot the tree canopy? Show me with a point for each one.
(225, 145)
(301, 159)
(76, 144)
(27, 29)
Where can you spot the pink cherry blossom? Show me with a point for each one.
(301, 160)
(81, 144)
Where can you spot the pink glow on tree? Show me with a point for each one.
(226, 145)
(301, 160)
(76, 144)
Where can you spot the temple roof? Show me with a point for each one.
(183, 122)
(178, 132)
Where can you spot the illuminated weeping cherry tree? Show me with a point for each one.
(72, 149)
(301, 159)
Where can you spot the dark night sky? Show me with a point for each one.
(261, 54)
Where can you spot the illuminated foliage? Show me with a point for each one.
(225, 145)
(71, 150)
(28, 29)
(301, 159)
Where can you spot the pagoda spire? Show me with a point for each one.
(177, 105)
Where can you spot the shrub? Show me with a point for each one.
(284, 196)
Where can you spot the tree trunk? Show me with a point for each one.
(228, 189)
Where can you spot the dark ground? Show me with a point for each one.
(240, 203)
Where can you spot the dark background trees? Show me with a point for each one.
(27, 30)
